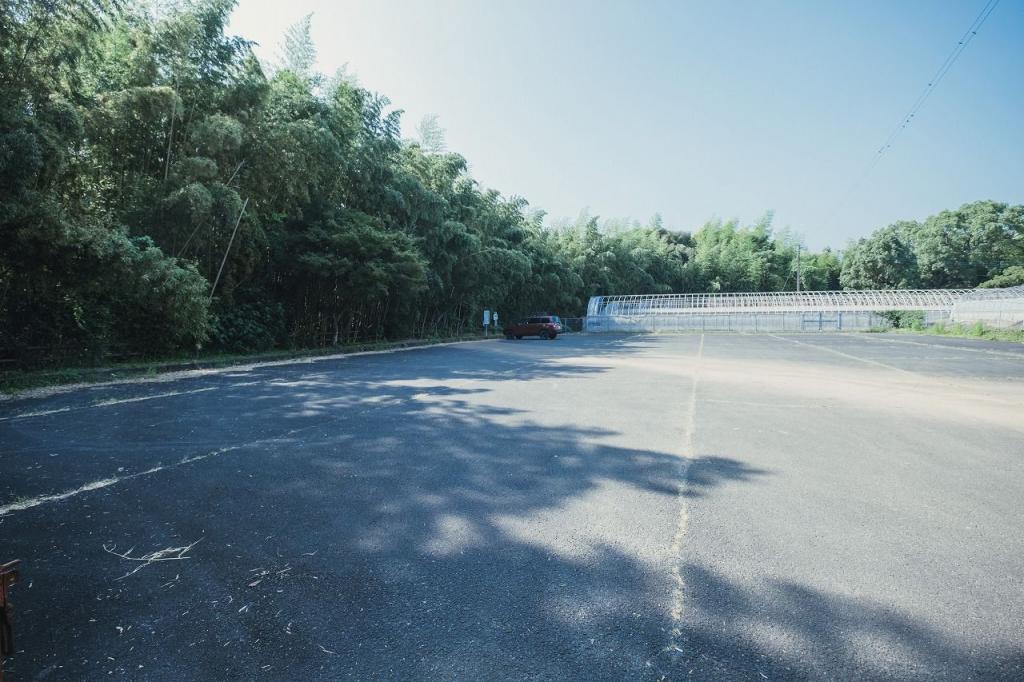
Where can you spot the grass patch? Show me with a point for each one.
(972, 331)
(12, 382)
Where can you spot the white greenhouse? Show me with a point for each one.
(766, 311)
(1001, 308)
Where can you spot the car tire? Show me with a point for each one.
(518, 337)
(552, 336)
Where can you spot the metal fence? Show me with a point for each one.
(751, 322)
(573, 324)
(1002, 308)
(769, 311)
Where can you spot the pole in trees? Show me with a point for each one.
(228, 250)
(798, 268)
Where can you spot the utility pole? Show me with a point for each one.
(798, 268)
(228, 250)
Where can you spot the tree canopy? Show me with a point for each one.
(978, 242)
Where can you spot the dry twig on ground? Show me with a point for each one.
(167, 554)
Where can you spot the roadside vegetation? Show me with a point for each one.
(913, 321)
(13, 382)
(971, 331)
(164, 193)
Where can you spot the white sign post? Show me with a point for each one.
(487, 320)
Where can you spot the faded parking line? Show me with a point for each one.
(103, 403)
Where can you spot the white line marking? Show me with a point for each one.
(923, 379)
(103, 403)
(754, 403)
(683, 521)
(847, 355)
(21, 505)
(104, 483)
(987, 351)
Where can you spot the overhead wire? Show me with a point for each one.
(905, 121)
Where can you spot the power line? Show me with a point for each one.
(951, 59)
(905, 122)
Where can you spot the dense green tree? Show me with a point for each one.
(73, 281)
(431, 135)
(299, 53)
(348, 270)
(730, 258)
(885, 260)
(1011, 277)
(969, 245)
(952, 249)
(820, 271)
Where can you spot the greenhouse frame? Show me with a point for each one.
(1001, 308)
(766, 311)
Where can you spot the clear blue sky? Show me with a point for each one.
(695, 110)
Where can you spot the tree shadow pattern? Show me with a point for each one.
(356, 530)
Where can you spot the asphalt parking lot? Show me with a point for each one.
(720, 506)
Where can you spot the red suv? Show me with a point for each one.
(544, 326)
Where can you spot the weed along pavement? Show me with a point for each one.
(719, 506)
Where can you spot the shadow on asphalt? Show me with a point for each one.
(363, 533)
(846, 637)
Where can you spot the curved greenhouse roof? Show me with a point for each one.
(994, 294)
(780, 301)
(992, 307)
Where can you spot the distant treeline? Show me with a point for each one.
(160, 188)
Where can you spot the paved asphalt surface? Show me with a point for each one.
(682, 507)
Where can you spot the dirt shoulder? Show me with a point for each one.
(42, 383)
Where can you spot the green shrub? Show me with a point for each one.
(904, 319)
(248, 327)
(1010, 277)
